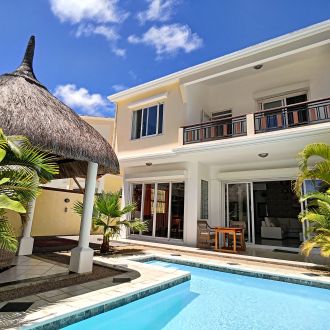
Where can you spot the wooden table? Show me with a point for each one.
(229, 231)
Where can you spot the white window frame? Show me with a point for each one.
(281, 97)
(142, 116)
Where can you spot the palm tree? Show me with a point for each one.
(318, 212)
(111, 217)
(22, 167)
(319, 171)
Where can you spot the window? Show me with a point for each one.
(147, 121)
(283, 101)
(221, 115)
(161, 206)
(204, 199)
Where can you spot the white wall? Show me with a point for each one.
(240, 94)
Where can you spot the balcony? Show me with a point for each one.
(299, 114)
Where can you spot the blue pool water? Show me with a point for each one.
(215, 300)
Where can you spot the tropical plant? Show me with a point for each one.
(22, 167)
(111, 217)
(318, 212)
(320, 170)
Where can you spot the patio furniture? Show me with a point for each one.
(242, 225)
(280, 228)
(226, 232)
(205, 234)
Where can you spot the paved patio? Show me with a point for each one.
(25, 268)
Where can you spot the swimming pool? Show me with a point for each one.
(216, 300)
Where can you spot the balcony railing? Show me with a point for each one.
(299, 114)
(294, 115)
(215, 130)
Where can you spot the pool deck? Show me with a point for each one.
(78, 302)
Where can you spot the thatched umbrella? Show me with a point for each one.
(28, 108)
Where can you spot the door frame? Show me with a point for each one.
(250, 207)
(153, 236)
(224, 203)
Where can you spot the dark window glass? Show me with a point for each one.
(177, 210)
(136, 125)
(163, 190)
(160, 119)
(204, 199)
(148, 212)
(152, 120)
(145, 122)
(137, 199)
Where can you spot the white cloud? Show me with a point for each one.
(169, 39)
(75, 11)
(158, 10)
(119, 51)
(87, 30)
(118, 87)
(81, 100)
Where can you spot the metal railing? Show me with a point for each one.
(299, 114)
(214, 130)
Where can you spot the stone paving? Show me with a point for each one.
(57, 304)
(27, 268)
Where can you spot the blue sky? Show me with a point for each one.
(88, 49)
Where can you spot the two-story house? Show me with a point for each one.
(219, 140)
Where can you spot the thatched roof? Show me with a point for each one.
(28, 108)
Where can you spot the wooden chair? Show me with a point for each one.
(239, 224)
(205, 234)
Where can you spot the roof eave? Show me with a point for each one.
(240, 54)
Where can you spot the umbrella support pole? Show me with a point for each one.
(82, 256)
(26, 242)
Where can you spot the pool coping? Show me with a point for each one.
(212, 265)
(74, 316)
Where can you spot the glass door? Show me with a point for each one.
(239, 208)
(161, 206)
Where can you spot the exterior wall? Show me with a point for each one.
(105, 126)
(238, 92)
(53, 216)
(172, 120)
(241, 94)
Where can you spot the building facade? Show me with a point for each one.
(219, 141)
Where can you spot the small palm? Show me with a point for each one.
(111, 217)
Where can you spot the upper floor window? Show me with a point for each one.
(147, 121)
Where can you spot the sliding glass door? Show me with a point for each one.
(161, 206)
(162, 210)
(239, 207)
(148, 207)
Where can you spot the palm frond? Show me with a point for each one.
(8, 240)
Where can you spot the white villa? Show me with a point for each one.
(219, 141)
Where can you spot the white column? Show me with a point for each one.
(125, 199)
(191, 201)
(26, 243)
(250, 129)
(81, 260)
